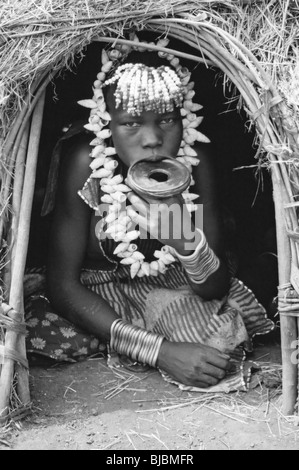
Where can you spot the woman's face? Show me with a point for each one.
(146, 136)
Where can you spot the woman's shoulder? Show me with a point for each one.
(76, 156)
(74, 167)
(77, 146)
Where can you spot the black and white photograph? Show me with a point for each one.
(149, 227)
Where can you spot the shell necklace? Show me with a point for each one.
(138, 88)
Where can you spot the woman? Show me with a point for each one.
(189, 315)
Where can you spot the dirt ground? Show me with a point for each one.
(86, 406)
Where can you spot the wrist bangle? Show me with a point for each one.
(140, 345)
(202, 263)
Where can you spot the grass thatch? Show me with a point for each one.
(37, 39)
(253, 43)
(247, 40)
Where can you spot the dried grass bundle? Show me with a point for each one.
(253, 43)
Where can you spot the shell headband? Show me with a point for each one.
(138, 88)
(141, 88)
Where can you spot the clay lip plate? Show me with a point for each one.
(161, 178)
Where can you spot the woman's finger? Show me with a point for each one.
(209, 380)
(137, 218)
(138, 204)
(215, 372)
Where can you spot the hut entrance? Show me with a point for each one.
(246, 194)
(244, 186)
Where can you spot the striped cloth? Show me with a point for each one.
(167, 305)
(154, 303)
(164, 304)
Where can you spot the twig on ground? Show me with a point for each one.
(224, 414)
(116, 441)
(130, 440)
(68, 387)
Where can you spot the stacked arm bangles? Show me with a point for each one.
(137, 343)
(201, 263)
(143, 346)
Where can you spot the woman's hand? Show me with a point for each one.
(167, 220)
(193, 363)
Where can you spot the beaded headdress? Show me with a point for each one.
(138, 88)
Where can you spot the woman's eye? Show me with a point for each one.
(131, 124)
(167, 121)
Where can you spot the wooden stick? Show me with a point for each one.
(207, 41)
(288, 324)
(152, 47)
(210, 28)
(29, 103)
(16, 292)
(16, 203)
(22, 383)
(18, 184)
(12, 340)
(20, 125)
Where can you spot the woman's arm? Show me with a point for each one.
(196, 363)
(180, 231)
(192, 364)
(68, 245)
(217, 284)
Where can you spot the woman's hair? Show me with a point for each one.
(144, 81)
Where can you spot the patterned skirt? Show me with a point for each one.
(164, 304)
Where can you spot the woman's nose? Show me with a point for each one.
(151, 137)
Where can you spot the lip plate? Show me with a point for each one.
(178, 177)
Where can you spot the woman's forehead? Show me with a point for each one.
(122, 113)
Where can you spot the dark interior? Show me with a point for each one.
(245, 194)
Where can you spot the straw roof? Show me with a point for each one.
(38, 38)
(254, 44)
